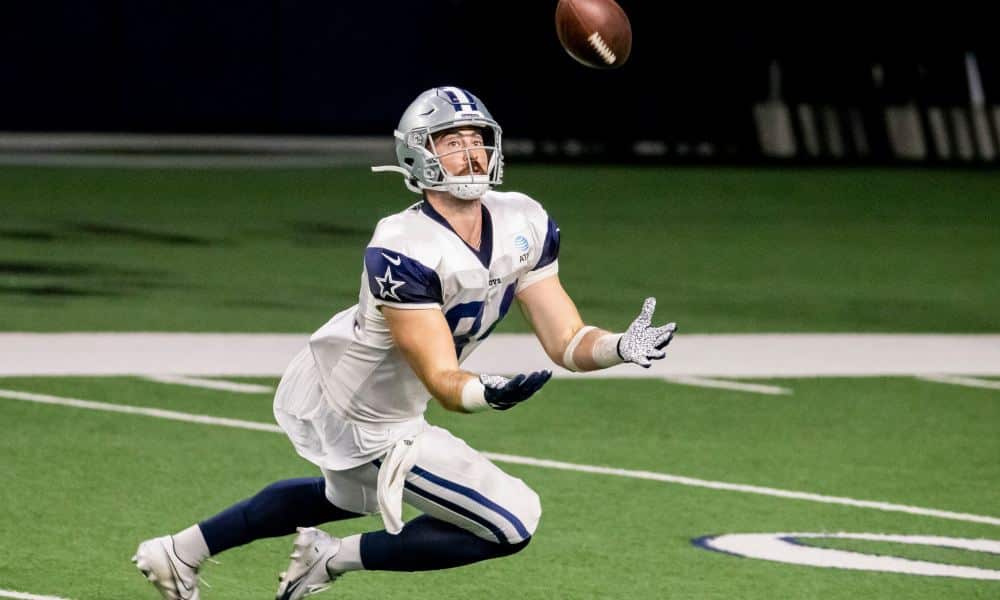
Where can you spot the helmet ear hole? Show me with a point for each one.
(408, 161)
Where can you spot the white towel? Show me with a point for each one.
(391, 477)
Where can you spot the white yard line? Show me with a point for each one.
(212, 384)
(733, 356)
(966, 381)
(138, 410)
(525, 460)
(724, 384)
(25, 596)
(748, 489)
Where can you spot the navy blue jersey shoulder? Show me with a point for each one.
(550, 249)
(396, 277)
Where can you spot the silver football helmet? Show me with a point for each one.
(436, 110)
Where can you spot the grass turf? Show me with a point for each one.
(725, 250)
(90, 485)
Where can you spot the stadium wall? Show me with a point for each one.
(700, 87)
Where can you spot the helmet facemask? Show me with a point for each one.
(460, 169)
(465, 171)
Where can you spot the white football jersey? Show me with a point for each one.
(415, 260)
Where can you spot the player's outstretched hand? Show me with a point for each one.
(503, 393)
(641, 343)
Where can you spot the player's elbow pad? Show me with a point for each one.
(604, 352)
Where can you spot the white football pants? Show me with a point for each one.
(450, 480)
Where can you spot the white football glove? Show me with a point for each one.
(641, 343)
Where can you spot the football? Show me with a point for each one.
(597, 33)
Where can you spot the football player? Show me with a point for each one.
(437, 279)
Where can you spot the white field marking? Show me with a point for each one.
(966, 381)
(212, 384)
(749, 489)
(24, 596)
(736, 356)
(525, 460)
(139, 410)
(756, 388)
(782, 547)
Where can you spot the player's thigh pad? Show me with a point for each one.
(455, 483)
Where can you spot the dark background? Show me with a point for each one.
(327, 67)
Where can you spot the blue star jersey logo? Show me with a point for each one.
(404, 280)
(388, 286)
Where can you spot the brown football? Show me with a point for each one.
(596, 33)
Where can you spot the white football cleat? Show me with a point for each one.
(307, 573)
(157, 560)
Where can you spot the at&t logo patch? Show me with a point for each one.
(521, 243)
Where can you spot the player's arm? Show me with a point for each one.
(579, 347)
(425, 340)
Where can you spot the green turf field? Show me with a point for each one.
(724, 250)
(88, 486)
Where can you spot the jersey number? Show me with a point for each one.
(474, 311)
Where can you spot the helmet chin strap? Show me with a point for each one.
(468, 191)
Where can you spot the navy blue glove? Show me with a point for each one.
(502, 393)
